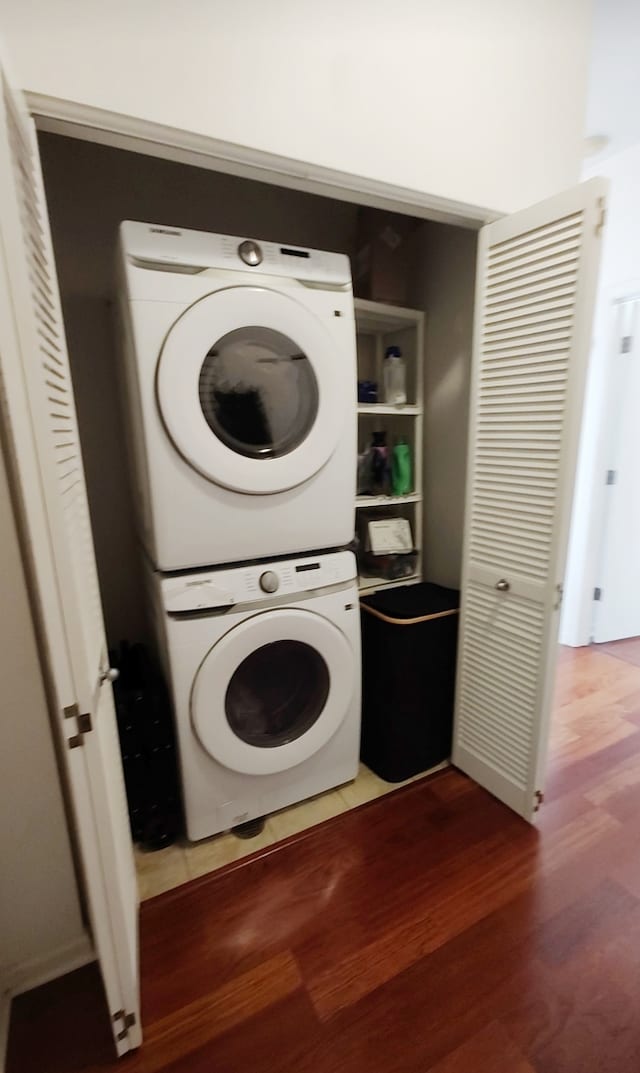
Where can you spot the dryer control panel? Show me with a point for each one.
(179, 249)
(224, 588)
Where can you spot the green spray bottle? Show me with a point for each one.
(401, 475)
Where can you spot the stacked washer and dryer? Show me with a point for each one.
(240, 370)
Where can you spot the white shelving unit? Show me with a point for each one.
(377, 327)
(391, 411)
(387, 501)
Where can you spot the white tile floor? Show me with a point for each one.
(168, 868)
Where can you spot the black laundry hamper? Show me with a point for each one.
(409, 645)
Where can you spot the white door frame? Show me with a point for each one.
(587, 526)
(608, 441)
(137, 135)
(74, 120)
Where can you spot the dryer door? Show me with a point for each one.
(253, 390)
(272, 691)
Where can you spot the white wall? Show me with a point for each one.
(40, 922)
(90, 189)
(619, 275)
(479, 102)
(614, 74)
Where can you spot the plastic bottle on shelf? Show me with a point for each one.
(380, 468)
(395, 377)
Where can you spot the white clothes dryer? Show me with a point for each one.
(264, 666)
(240, 385)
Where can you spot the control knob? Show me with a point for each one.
(250, 253)
(269, 581)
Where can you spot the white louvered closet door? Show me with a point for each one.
(535, 289)
(42, 443)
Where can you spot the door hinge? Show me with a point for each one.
(83, 725)
(625, 344)
(597, 594)
(127, 1019)
(611, 476)
(538, 798)
(559, 595)
(602, 216)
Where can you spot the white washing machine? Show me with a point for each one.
(240, 383)
(264, 665)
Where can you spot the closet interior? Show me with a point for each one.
(413, 288)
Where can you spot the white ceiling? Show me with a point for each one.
(613, 102)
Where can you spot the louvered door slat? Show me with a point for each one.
(531, 238)
(509, 342)
(531, 372)
(494, 660)
(530, 332)
(517, 652)
(536, 278)
(555, 261)
(534, 283)
(522, 465)
(501, 322)
(520, 399)
(554, 249)
(55, 370)
(525, 304)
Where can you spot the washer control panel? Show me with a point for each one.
(223, 589)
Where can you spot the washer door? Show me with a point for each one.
(272, 691)
(252, 390)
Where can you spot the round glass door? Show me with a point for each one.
(258, 392)
(277, 693)
(253, 389)
(272, 691)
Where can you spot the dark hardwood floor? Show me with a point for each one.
(427, 932)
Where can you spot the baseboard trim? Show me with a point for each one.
(5, 1014)
(16, 979)
(37, 971)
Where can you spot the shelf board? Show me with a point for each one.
(387, 501)
(370, 584)
(379, 317)
(390, 411)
